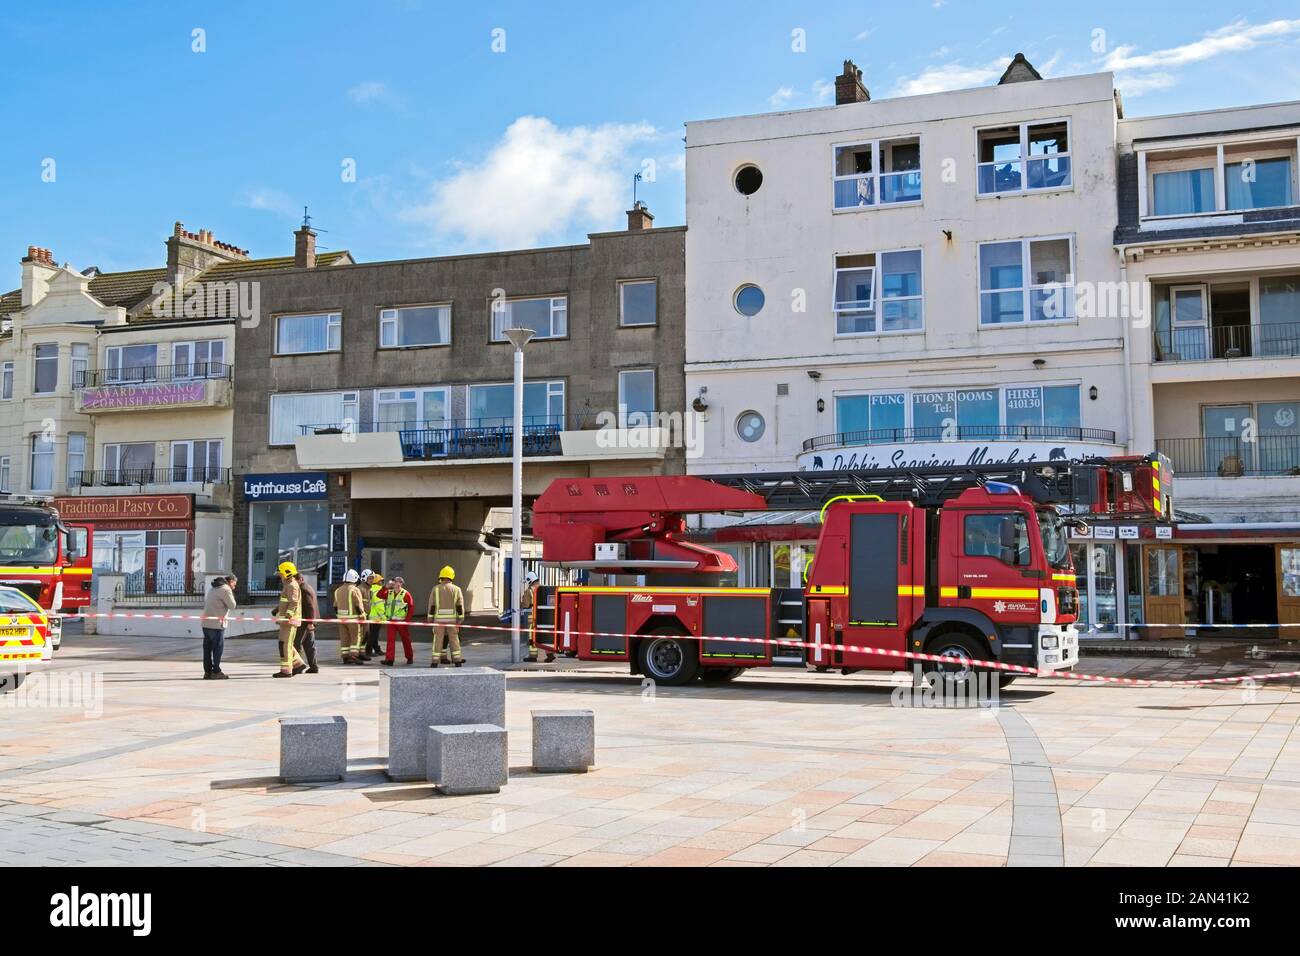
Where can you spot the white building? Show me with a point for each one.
(1209, 206)
(889, 282)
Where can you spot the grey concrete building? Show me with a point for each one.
(373, 401)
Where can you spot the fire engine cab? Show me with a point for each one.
(968, 563)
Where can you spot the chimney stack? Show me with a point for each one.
(848, 86)
(190, 253)
(304, 248)
(638, 217)
(38, 269)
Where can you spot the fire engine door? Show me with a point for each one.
(880, 579)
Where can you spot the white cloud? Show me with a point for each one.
(823, 90)
(1140, 73)
(782, 96)
(950, 76)
(371, 91)
(267, 200)
(538, 181)
(865, 33)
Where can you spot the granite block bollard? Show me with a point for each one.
(411, 701)
(564, 741)
(467, 758)
(313, 749)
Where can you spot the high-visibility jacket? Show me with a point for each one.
(447, 603)
(290, 607)
(377, 610)
(349, 603)
(397, 607)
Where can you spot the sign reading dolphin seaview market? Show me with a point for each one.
(304, 486)
(945, 453)
(143, 396)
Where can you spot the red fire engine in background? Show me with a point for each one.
(967, 562)
(45, 559)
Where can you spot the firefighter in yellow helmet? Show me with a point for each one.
(447, 611)
(376, 616)
(289, 615)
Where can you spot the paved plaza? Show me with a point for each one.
(154, 766)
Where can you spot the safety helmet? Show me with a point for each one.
(365, 574)
(448, 573)
(530, 577)
(287, 569)
(350, 576)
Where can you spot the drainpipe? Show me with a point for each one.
(1128, 354)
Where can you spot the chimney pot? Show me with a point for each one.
(848, 86)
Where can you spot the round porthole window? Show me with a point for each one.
(749, 300)
(750, 426)
(748, 179)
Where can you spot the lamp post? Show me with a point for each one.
(518, 338)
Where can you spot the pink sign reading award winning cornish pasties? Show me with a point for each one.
(143, 396)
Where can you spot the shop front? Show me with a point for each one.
(288, 520)
(146, 538)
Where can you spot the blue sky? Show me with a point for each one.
(460, 148)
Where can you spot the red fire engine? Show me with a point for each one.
(962, 562)
(47, 560)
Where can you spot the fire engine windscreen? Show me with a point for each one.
(1056, 544)
(28, 539)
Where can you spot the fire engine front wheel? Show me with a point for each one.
(961, 650)
(668, 659)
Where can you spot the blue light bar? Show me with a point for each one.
(1001, 488)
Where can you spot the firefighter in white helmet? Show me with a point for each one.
(447, 611)
(350, 608)
(528, 616)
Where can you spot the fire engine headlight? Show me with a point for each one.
(1051, 659)
(1051, 642)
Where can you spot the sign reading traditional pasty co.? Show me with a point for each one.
(126, 508)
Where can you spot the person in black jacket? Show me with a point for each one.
(305, 639)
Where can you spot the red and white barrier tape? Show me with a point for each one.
(777, 642)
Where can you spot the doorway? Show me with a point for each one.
(1237, 585)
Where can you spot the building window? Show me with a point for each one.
(76, 458)
(865, 306)
(5, 470)
(196, 460)
(750, 426)
(749, 300)
(414, 326)
(305, 334)
(548, 317)
(203, 359)
(748, 179)
(881, 172)
(80, 364)
(42, 464)
(636, 302)
(7, 380)
(411, 408)
(131, 363)
(1014, 412)
(636, 397)
(294, 414)
(1206, 179)
(1026, 280)
(128, 463)
(1024, 158)
(45, 376)
(297, 531)
(493, 405)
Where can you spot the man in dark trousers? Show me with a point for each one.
(305, 638)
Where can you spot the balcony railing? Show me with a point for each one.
(471, 438)
(1266, 456)
(1271, 340)
(889, 436)
(150, 374)
(122, 477)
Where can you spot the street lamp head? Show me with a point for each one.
(519, 337)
